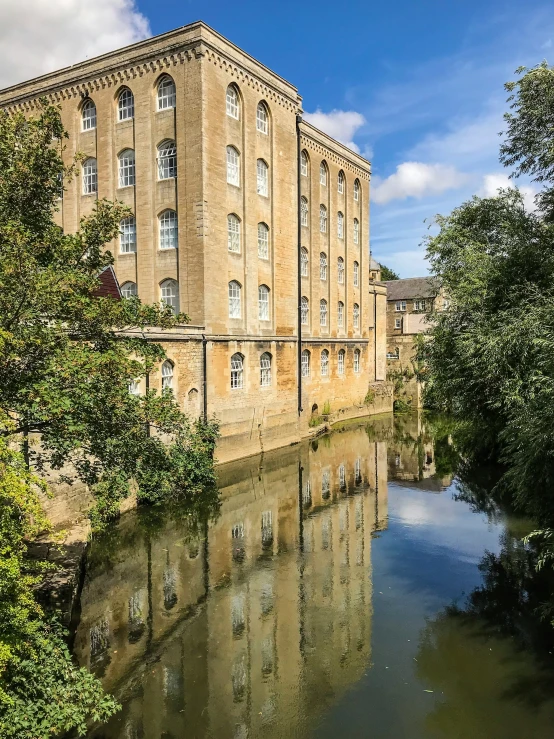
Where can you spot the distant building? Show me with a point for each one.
(409, 303)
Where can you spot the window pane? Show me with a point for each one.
(304, 308)
(263, 303)
(233, 172)
(170, 294)
(128, 235)
(262, 172)
(323, 219)
(305, 363)
(168, 230)
(90, 177)
(340, 314)
(304, 262)
(324, 362)
(265, 370)
(166, 93)
(303, 164)
(340, 225)
(340, 266)
(89, 116)
(322, 174)
(167, 376)
(233, 233)
(126, 105)
(262, 122)
(323, 313)
(232, 102)
(356, 230)
(129, 289)
(234, 300)
(341, 362)
(263, 241)
(127, 168)
(303, 211)
(323, 266)
(356, 315)
(356, 274)
(167, 160)
(236, 373)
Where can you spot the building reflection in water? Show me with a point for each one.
(260, 625)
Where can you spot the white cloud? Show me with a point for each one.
(39, 36)
(416, 179)
(493, 182)
(340, 124)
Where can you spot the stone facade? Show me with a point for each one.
(409, 305)
(200, 141)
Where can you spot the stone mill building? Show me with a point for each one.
(244, 216)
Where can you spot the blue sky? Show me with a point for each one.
(415, 86)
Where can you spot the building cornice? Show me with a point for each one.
(157, 54)
(328, 148)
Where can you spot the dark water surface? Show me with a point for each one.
(318, 604)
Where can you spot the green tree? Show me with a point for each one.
(387, 273)
(67, 358)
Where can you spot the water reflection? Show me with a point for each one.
(262, 623)
(314, 604)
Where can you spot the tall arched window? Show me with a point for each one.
(166, 93)
(356, 360)
(262, 171)
(356, 190)
(356, 315)
(322, 312)
(167, 375)
(304, 309)
(234, 299)
(324, 363)
(340, 270)
(88, 116)
(356, 231)
(304, 262)
(356, 274)
(232, 102)
(304, 164)
(233, 166)
(128, 235)
(340, 183)
(323, 266)
(169, 293)
(262, 118)
(90, 176)
(263, 241)
(265, 369)
(323, 219)
(125, 105)
(233, 233)
(340, 225)
(237, 371)
(263, 303)
(168, 230)
(129, 289)
(340, 314)
(323, 173)
(305, 363)
(303, 211)
(126, 168)
(167, 160)
(340, 364)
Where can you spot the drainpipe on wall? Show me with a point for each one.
(204, 376)
(375, 329)
(299, 261)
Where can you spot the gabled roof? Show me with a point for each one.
(109, 286)
(413, 287)
(373, 265)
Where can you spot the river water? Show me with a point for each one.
(325, 600)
